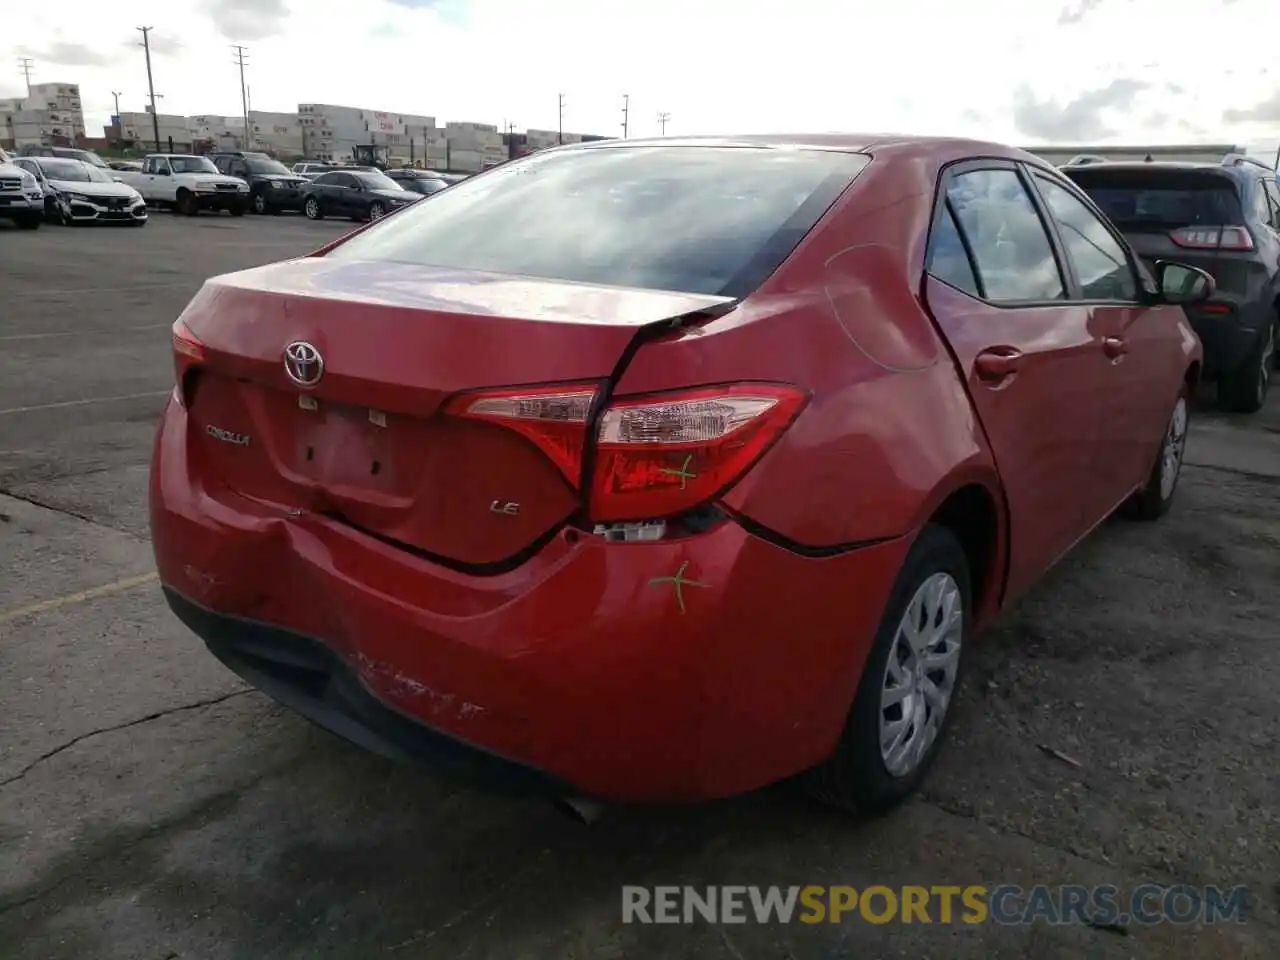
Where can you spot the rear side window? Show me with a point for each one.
(948, 260)
(690, 219)
(1099, 260)
(1161, 199)
(1012, 251)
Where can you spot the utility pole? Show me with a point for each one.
(244, 96)
(115, 95)
(560, 135)
(26, 64)
(151, 89)
(663, 119)
(626, 110)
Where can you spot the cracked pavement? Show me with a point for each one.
(153, 808)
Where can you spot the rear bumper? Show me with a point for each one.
(583, 669)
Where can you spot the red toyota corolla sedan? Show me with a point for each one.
(659, 471)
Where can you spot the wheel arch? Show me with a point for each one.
(971, 505)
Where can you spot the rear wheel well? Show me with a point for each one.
(970, 515)
(1192, 378)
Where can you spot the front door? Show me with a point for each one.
(1029, 356)
(1137, 393)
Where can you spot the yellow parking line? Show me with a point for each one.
(79, 596)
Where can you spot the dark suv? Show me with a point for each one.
(1225, 219)
(273, 187)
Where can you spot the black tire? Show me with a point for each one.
(1245, 389)
(260, 205)
(137, 223)
(238, 210)
(1154, 500)
(311, 208)
(187, 204)
(376, 211)
(29, 221)
(856, 777)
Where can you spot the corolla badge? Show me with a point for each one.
(303, 363)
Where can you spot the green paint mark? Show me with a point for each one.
(683, 473)
(680, 583)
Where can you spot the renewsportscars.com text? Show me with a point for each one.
(1007, 904)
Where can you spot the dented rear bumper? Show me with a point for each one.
(677, 670)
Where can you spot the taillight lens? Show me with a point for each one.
(1213, 238)
(656, 456)
(554, 418)
(662, 455)
(188, 352)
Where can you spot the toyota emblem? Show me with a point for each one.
(303, 363)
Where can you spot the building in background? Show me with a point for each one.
(137, 130)
(50, 114)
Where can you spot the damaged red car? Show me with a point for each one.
(660, 471)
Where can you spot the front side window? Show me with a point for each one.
(694, 219)
(192, 165)
(1099, 259)
(1012, 251)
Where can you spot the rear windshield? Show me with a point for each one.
(713, 220)
(1175, 198)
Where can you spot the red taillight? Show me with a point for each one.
(188, 352)
(655, 456)
(662, 455)
(554, 418)
(1213, 238)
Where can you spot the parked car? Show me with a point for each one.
(355, 193)
(425, 182)
(21, 199)
(309, 171)
(76, 192)
(1225, 219)
(654, 471)
(130, 166)
(66, 153)
(190, 184)
(272, 188)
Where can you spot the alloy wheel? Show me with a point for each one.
(312, 209)
(259, 203)
(920, 674)
(375, 211)
(1175, 442)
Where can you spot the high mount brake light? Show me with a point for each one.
(188, 352)
(656, 456)
(1213, 238)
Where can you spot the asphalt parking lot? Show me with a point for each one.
(152, 808)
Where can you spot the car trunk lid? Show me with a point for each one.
(369, 442)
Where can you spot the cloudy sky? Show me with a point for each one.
(1078, 71)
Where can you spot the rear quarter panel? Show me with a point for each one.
(889, 431)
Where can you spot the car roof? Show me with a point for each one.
(937, 149)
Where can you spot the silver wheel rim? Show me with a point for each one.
(375, 211)
(312, 209)
(920, 675)
(259, 204)
(1175, 441)
(1268, 358)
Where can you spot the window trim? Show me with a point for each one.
(1077, 288)
(958, 168)
(1271, 195)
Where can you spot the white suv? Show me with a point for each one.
(21, 199)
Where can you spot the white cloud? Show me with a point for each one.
(1001, 69)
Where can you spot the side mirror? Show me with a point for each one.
(1178, 283)
(118, 179)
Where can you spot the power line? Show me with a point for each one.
(151, 87)
(244, 96)
(626, 110)
(25, 66)
(663, 119)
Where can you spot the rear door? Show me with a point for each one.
(1142, 344)
(1029, 355)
